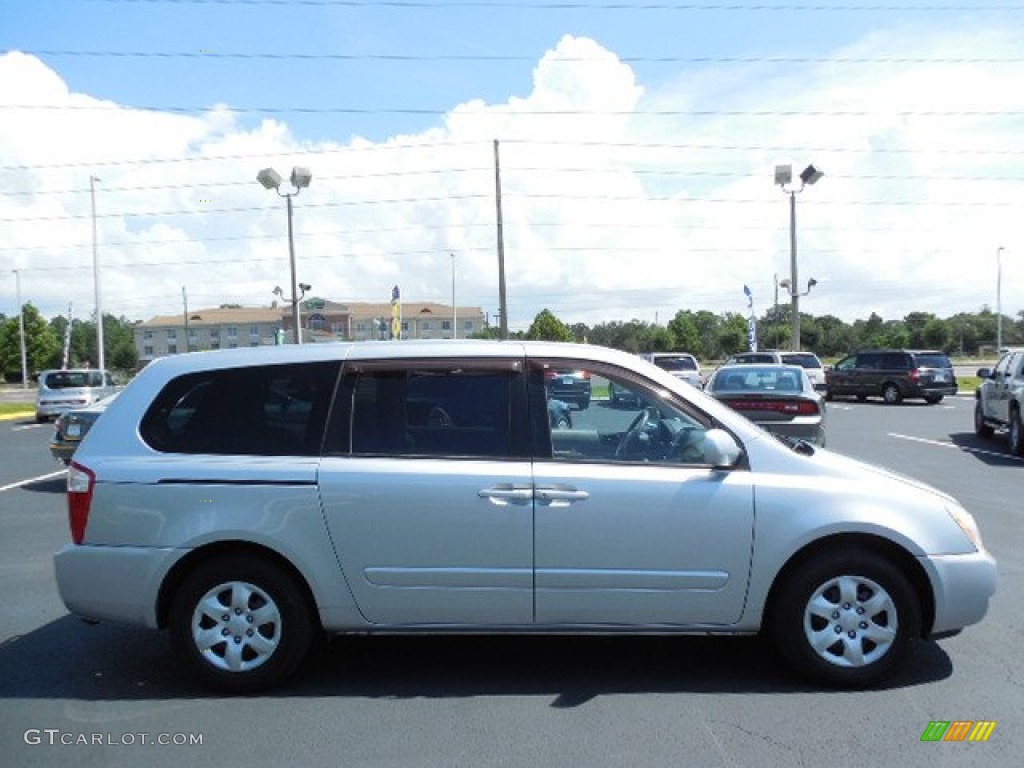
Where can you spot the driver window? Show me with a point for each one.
(622, 420)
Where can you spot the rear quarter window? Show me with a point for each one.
(265, 411)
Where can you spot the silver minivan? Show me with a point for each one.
(249, 500)
(67, 388)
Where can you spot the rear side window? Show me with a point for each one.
(426, 412)
(277, 410)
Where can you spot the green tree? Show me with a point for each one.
(41, 346)
(547, 327)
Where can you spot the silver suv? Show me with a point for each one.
(249, 500)
(999, 399)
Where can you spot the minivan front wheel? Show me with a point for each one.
(846, 619)
(240, 624)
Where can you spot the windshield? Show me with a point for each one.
(933, 361)
(73, 379)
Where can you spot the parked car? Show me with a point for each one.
(559, 415)
(64, 389)
(680, 364)
(570, 386)
(622, 395)
(72, 426)
(810, 363)
(779, 398)
(248, 500)
(754, 358)
(893, 374)
(999, 398)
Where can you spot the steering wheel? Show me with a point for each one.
(633, 433)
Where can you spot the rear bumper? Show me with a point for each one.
(114, 583)
(963, 585)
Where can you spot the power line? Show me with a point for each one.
(519, 59)
(436, 112)
(565, 5)
(822, 149)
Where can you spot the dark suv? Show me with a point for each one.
(569, 386)
(892, 374)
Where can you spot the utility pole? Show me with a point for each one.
(455, 310)
(502, 303)
(21, 331)
(96, 277)
(184, 301)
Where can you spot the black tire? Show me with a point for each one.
(829, 396)
(933, 399)
(267, 625)
(869, 647)
(1016, 433)
(583, 403)
(861, 398)
(981, 428)
(891, 394)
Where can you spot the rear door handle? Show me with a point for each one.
(560, 496)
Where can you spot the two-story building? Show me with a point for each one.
(321, 320)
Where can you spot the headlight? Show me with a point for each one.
(965, 520)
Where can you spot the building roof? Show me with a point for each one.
(218, 316)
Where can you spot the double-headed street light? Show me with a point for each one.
(300, 179)
(784, 179)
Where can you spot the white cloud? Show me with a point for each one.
(612, 214)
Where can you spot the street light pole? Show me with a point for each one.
(300, 178)
(999, 299)
(783, 178)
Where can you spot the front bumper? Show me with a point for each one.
(962, 585)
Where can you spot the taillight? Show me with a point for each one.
(80, 484)
(788, 407)
(915, 375)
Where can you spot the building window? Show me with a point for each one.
(405, 326)
(446, 325)
(468, 325)
(426, 325)
(147, 351)
(172, 333)
(361, 327)
(172, 349)
(147, 335)
(232, 332)
(215, 333)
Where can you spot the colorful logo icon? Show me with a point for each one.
(958, 730)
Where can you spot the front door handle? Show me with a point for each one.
(503, 495)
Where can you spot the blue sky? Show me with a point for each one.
(638, 143)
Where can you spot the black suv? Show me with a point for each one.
(892, 374)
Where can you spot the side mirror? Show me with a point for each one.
(721, 450)
(984, 373)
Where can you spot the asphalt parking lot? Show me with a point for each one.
(78, 694)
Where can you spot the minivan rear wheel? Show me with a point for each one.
(240, 624)
(891, 394)
(846, 618)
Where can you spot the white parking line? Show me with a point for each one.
(949, 444)
(31, 480)
(31, 426)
